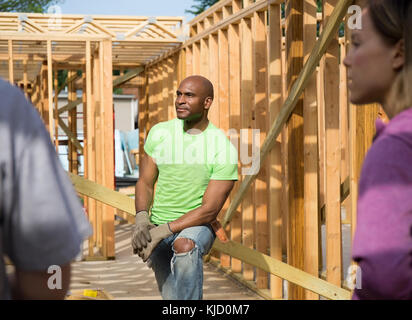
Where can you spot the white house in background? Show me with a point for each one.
(125, 119)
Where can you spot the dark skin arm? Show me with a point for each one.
(32, 285)
(145, 184)
(214, 198)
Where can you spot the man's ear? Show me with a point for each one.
(208, 102)
(399, 56)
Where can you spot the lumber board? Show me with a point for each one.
(127, 77)
(71, 135)
(333, 157)
(234, 120)
(283, 270)
(275, 173)
(247, 101)
(261, 122)
(103, 194)
(310, 131)
(11, 64)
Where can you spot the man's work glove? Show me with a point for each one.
(157, 234)
(141, 234)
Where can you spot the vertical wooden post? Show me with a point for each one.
(310, 131)
(333, 157)
(189, 60)
(294, 56)
(73, 155)
(261, 123)
(171, 93)
(99, 129)
(85, 144)
(142, 95)
(108, 215)
(25, 78)
(45, 112)
(91, 151)
(247, 100)
(213, 66)
(11, 64)
(222, 87)
(56, 109)
(165, 92)
(196, 58)
(50, 88)
(235, 123)
(275, 181)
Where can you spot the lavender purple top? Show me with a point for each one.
(383, 238)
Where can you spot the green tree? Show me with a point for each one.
(202, 6)
(37, 6)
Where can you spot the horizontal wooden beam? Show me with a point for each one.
(53, 36)
(282, 270)
(103, 194)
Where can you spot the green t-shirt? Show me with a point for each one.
(186, 163)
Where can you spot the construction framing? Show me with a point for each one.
(272, 73)
(34, 47)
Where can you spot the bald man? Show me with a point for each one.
(195, 167)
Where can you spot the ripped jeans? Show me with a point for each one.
(179, 276)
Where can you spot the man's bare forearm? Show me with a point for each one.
(144, 196)
(197, 217)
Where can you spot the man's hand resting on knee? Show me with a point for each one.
(157, 234)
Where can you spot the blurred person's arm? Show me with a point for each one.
(33, 285)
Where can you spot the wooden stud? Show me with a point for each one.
(171, 89)
(204, 57)
(235, 123)
(310, 130)
(165, 92)
(333, 157)
(11, 64)
(261, 122)
(213, 66)
(91, 151)
(247, 100)
(275, 181)
(189, 60)
(98, 132)
(56, 109)
(25, 78)
(294, 54)
(222, 97)
(196, 58)
(50, 88)
(73, 155)
(107, 104)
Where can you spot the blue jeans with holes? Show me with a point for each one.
(179, 276)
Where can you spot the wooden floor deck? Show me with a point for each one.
(128, 278)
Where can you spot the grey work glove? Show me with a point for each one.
(141, 234)
(157, 234)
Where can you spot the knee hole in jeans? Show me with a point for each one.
(183, 245)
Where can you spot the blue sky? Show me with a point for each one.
(129, 7)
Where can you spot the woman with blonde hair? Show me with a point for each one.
(379, 67)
